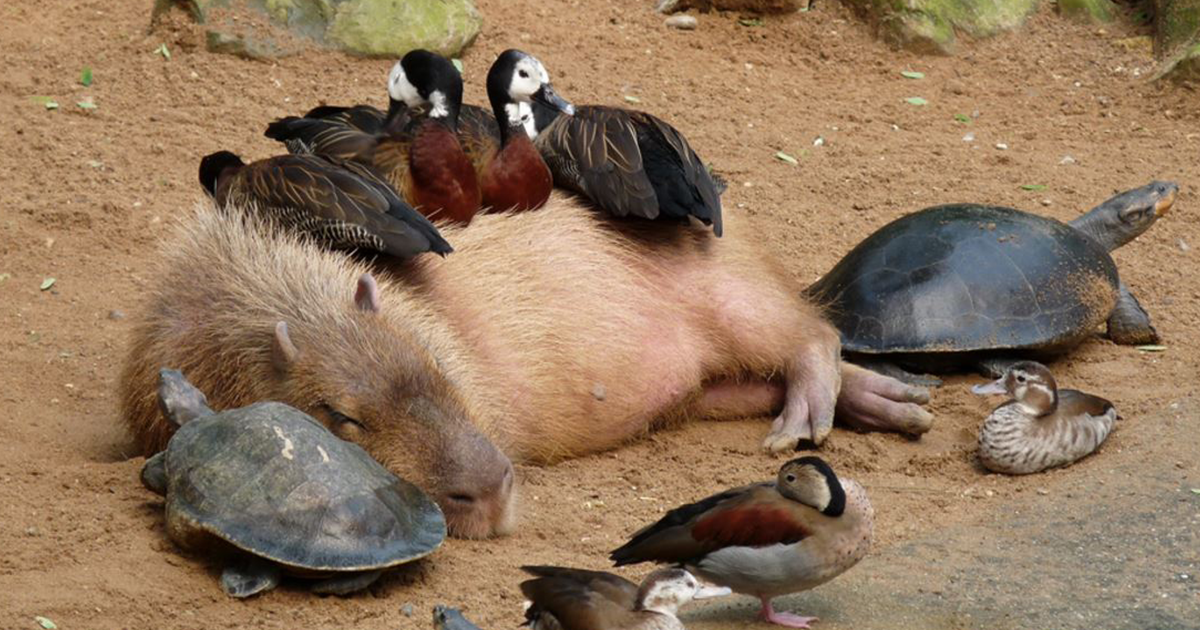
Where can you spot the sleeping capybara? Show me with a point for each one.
(552, 333)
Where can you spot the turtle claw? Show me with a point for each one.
(250, 578)
(873, 402)
(901, 374)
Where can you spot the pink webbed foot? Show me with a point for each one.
(769, 615)
(870, 401)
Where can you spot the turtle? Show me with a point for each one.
(272, 491)
(960, 286)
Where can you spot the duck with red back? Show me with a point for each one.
(766, 539)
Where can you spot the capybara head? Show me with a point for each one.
(401, 409)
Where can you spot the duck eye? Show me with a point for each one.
(1020, 378)
(790, 478)
(524, 75)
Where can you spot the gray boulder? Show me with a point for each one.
(931, 26)
(1177, 39)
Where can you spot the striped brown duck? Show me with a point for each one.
(340, 204)
(1040, 426)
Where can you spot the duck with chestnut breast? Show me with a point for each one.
(421, 158)
(561, 598)
(1040, 426)
(766, 539)
(340, 204)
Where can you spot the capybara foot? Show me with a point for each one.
(874, 402)
(812, 393)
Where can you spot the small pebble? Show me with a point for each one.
(820, 141)
(666, 6)
(969, 136)
(1183, 246)
(1043, 491)
(1001, 146)
(406, 610)
(1047, 202)
(681, 22)
(1067, 160)
(116, 315)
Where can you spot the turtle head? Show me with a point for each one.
(446, 618)
(179, 400)
(1124, 217)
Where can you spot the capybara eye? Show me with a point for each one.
(340, 418)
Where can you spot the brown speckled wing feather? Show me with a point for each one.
(479, 135)
(339, 203)
(596, 153)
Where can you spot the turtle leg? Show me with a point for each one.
(154, 473)
(1129, 324)
(901, 374)
(346, 584)
(250, 577)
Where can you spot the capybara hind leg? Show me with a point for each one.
(727, 399)
(874, 402)
(814, 380)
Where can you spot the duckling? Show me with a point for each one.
(340, 204)
(576, 599)
(765, 539)
(445, 618)
(1041, 426)
(421, 158)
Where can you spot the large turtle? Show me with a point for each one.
(967, 285)
(273, 490)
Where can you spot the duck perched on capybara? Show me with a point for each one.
(552, 333)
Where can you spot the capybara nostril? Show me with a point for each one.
(478, 501)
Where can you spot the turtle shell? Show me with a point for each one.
(967, 277)
(274, 482)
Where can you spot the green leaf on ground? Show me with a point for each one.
(962, 118)
(916, 100)
(1033, 187)
(85, 77)
(47, 283)
(750, 22)
(46, 623)
(912, 74)
(629, 98)
(86, 103)
(164, 51)
(784, 157)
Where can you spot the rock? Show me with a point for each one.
(745, 6)
(1092, 10)
(930, 26)
(681, 22)
(116, 315)
(1177, 39)
(260, 29)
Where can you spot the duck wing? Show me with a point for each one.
(750, 516)
(340, 203)
(579, 599)
(1073, 403)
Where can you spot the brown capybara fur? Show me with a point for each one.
(554, 333)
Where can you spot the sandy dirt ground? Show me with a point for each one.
(86, 195)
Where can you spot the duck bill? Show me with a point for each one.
(708, 592)
(995, 387)
(548, 97)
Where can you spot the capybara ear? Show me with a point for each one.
(366, 296)
(283, 351)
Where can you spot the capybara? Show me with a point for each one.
(554, 333)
